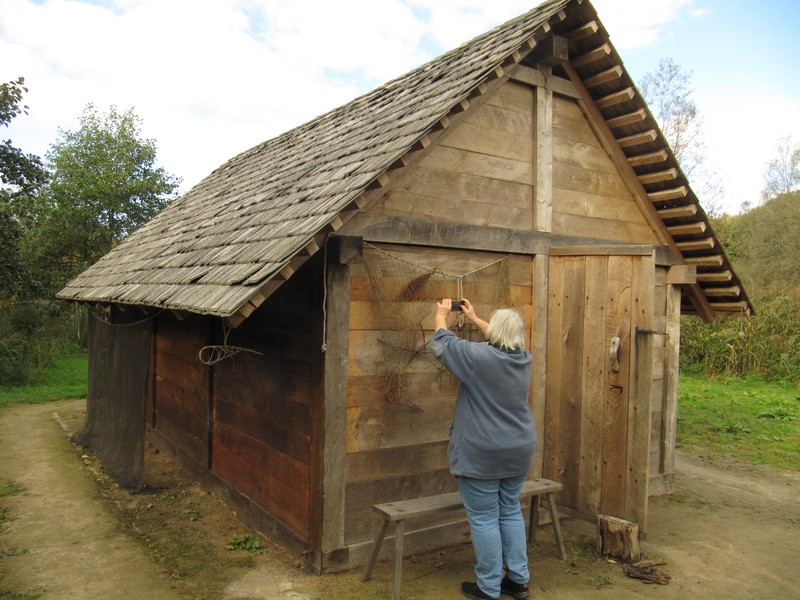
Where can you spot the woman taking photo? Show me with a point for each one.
(492, 441)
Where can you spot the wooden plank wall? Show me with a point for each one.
(480, 173)
(263, 403)
(590, 198)
(396, 452)
(180, 385)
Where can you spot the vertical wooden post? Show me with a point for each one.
(543, 190)
(671, 377)
(539, 352)
(338, 329)
(542, 221)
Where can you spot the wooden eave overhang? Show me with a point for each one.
(230, 242)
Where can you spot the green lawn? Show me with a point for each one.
(748, 420)
(67, 379)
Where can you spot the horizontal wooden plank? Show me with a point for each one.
(579, 154)
(589, 204)
(378, 465)
(570, 177)
(391, 425)
(473, 163)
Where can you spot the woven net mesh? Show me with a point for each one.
(406, 293)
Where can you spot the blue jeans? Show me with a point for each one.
(498, 530)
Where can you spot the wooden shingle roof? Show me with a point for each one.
(234, 237)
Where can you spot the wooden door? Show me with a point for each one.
(597, 402)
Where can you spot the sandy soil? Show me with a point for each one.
(731, 531)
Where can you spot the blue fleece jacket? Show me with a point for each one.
(493, 435)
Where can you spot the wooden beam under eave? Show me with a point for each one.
(678, 212)
(651, 158)
(739, 308)
(583, 31)
(606, 76)
(659, 176)
(637, 116)
(696, 228)
(592, 56)
(714, 260)
(671, 194)
(715, 276)
(616, 98)
(696, 245)
(732, 291)
(644, 137)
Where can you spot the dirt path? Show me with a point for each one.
(730, 532)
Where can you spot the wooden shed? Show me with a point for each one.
(291, 291)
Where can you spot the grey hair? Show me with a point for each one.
(506, 329)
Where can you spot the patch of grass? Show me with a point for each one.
(748, 420)
(9, 487)
(250, 543)
(68, 378)
(33, 595)
(13, 552)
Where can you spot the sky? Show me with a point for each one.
(211, 78)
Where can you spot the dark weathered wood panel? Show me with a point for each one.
(287, 504)
(264, 400)
(180, 384)
(269, 429)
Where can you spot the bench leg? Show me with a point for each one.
(533, 519)
(398, 558)
(551, 502)
(376, 549)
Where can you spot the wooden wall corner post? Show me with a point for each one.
(329, 415)
(538, 394)
(542, 222)
(543, 158)
(671, 379)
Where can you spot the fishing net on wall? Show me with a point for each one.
(406, 294)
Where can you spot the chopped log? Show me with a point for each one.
(618, 538)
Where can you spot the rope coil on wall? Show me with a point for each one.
(212, 354)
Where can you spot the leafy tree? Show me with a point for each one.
(783, 171)
(21, 177)
(104, 185)
(668, 94)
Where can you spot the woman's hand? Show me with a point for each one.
(470, 312)
(443, 309)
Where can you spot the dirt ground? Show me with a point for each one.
(730, 531)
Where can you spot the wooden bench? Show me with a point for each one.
(399, 512)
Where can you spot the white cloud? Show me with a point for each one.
(742, 151)
(634, 24)
(211, 79)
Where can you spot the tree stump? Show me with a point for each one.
(618, 538)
